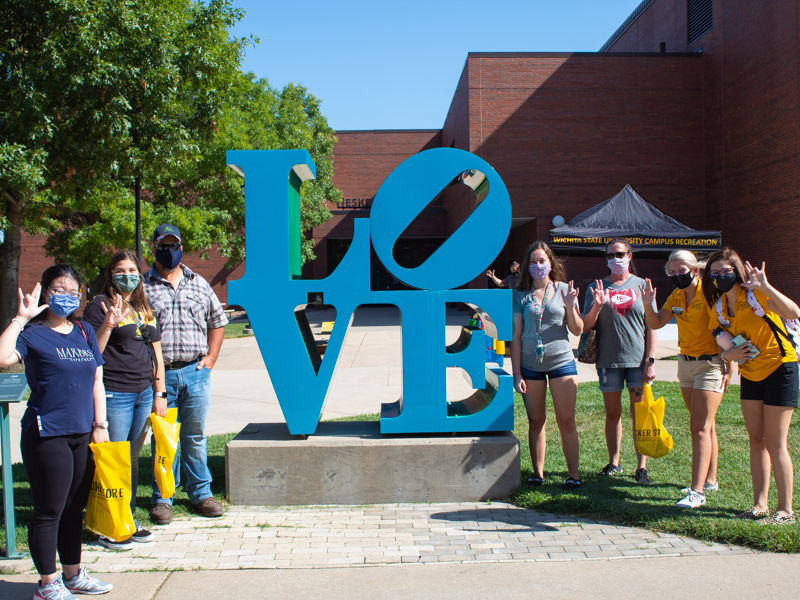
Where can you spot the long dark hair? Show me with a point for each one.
(628, 248)
(48, 277)
(138, 300)
(710, 291)
(557, 270)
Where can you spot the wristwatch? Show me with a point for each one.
(651, 360)
(101, 425)
(160, 394)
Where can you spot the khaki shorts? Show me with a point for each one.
(701, 374)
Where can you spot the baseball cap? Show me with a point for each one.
(164, 230)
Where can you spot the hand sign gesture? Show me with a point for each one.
(29, 303)
(600, 295)
(756, 278)
(648, 292)
(115, 315)
(571, 297)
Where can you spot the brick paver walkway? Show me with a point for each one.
(335, 536)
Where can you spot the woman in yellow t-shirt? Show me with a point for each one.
(769, 382)
(702, 374)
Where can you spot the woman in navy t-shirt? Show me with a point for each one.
(66, 410)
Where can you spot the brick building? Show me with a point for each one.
(694, 103)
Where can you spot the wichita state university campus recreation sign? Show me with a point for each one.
(275, 297)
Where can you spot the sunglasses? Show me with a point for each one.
(611, 255)
(168, 246)
(723, 272)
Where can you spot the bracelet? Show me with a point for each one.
(18, 322)
(722, 355)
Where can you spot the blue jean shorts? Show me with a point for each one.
(613, 380)
(568, 369)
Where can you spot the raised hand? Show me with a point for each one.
(571, 297)
(29, 303)
(756, 278)
(600, 295)
(115, 315)
(490, 273)
(648, 292)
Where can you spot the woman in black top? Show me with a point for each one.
(131, 344)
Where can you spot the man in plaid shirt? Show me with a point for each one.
(192, 326)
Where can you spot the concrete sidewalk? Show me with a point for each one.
(715, 577)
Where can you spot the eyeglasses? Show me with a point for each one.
(611, 255)
(723, 273)
(168, 246)
(60, 292)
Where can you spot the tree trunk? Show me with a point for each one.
(10, 251)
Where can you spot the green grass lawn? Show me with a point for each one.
(617, 499)
(236, 330)
(621, 500)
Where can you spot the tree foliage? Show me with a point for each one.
(96, 92)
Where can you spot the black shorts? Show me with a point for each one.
(779, 388)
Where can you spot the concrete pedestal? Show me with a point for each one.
(351, 463)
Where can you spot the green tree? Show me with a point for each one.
(92, 91)
(201, 196)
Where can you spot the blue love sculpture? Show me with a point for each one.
(274, 295)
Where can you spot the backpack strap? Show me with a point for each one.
(78, 323)
(776, 331)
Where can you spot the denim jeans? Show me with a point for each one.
(189, 389)
(127, 414)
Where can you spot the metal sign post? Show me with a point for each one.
(12, 388)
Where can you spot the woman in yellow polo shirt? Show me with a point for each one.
(769, 373)
(702, 374)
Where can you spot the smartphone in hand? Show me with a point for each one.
(740, 341)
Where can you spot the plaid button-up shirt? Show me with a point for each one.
(184, 314)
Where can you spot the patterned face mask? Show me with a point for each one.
(126, 283)
(538, 271)
(618, 266)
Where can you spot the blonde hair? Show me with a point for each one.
(686, 257)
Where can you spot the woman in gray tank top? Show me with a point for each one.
(545, 308)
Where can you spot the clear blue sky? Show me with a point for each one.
(395, 65)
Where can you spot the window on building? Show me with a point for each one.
(700, 18)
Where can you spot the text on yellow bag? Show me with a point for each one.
(165, 432)
(108, 512)
(651, 437)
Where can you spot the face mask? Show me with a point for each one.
(169, 259)
(126, 283)
(618, 266)
(682, 280)
(724, 283)
(539, 272)
(62, 305)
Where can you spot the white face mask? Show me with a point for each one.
(618, 266)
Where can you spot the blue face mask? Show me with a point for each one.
(62, 305)
(169, 259)
(126, 283)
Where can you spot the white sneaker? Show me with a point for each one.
(54, 590)
(126, 544)
(693, 500)
(707, 487)
(83, 583)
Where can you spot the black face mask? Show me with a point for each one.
(682, 280)
(724, 283)
(169, 259)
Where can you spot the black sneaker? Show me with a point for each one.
(141, 535)
(642, 477)
(570, 484)
(610, 470)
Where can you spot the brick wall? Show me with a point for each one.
(751, 96)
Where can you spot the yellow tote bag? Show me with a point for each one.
(108, 512)
(165, 432)
(651, 437)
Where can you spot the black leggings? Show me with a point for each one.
(60, 471)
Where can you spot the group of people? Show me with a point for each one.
(726, 312)
(147, 342)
